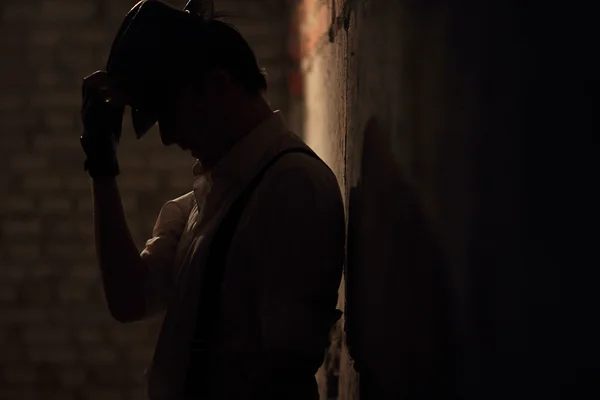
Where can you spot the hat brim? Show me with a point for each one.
(147, 51)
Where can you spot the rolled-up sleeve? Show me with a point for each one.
(299, 249)
(160, 251)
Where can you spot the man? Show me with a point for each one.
(245, 266)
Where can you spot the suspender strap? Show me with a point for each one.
(209, 303)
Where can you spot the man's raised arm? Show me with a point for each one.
(122, 269)
(120, 263)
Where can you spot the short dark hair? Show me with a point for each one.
(227, 49)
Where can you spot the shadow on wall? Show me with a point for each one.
(397, 328)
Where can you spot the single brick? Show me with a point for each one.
(64, 228)
(12, 273)
(99, 393)
(96, 292)
(88, 250)
(79, 181)
(45, 37)
(28, 162)
(109, 375)
(65, 250)
(40, 57)
(49, 142)
(66, 99)
(85, 204)
(17, 11)
(17, 123)
(138, 354)
(13, 82)
(84, 272)
(85, 228)
(72, 377)
(11, 143)
(67, 10)
(89, 336)
(80, 58)
(131, 162)
(18, 316)
(100, 355)
(47, 79)
(58, 354)
(19, 375)
(22, 227)
(42, 271)
(12, 101)
(24, 251)
(57, 121)
(51, 336)
(73, 291)
(55, 205)
(35, 292)
(138, 182)
(9, 293)
(12, 352)
(24, 392)
(140, 393)
(60, 393)
(41, 182)
(91, 35)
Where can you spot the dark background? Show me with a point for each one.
(462, 134)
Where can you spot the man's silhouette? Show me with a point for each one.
(246, 266)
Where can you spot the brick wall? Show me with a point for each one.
(57, 340)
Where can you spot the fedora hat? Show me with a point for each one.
(152, 53)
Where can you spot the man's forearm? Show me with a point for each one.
(118, 257)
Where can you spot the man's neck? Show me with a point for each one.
(247, 119)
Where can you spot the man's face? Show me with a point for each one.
(186, 121)
(184, 118)
(189, 119)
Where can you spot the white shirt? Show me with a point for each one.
(290, 239)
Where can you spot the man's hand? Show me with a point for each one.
(102, 117)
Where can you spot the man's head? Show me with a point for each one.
(215, 91)
(188, 73)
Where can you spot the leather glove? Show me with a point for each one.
(102, 125)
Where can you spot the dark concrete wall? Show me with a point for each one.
(424, 110)
(57, 340)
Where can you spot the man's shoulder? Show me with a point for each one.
(299, 155)
(300, 170)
